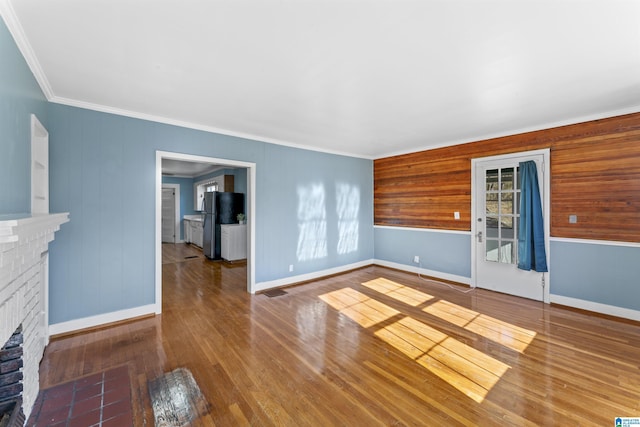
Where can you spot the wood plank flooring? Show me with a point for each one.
(370, 347)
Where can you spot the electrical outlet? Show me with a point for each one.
(416, 259)
(290, 267)
(456, 215)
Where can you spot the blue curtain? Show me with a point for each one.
(531, 252)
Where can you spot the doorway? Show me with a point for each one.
(495, 200)
(170, 213)
(250, 209)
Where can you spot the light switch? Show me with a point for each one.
(456, 215)
(573, 219)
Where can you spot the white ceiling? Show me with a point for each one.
(186, 169)
(366, 78)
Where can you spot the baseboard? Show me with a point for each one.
(424, 271)
(610, 310)
(286, 281)
(101, 319)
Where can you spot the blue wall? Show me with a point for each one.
(605, 274)
(103, 173)
(20, 96)
(595, 272)
(438, 251)
(314, 210)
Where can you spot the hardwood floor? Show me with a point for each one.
(370, 347)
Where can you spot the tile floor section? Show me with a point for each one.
(98, 400)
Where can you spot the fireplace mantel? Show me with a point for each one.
(24, 245)
(13, 226)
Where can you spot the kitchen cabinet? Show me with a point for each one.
(233, 241)
(193, 229)
(187, 230)
(196, 233)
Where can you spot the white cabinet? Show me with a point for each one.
(233, 241)
(196, 233)
(187, 231)
(193, 229)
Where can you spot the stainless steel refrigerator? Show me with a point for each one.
(218, 208)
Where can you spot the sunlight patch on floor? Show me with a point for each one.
(465, 368)
(359, 307)
(402, 293)
(503, 333)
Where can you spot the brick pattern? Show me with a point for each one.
(99, 400)
(23, 262)
(11, 367)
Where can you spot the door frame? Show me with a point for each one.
(176, 207)
(251, 219)
(546, 201)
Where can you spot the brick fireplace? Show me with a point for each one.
(24, 245)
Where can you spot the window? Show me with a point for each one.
(202, 187)
(502, 212)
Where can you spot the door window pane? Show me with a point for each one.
(506, 179)
(492, 204)
(492, 250)
(507, 249)
(492, 180)
(502, 196)
(492, 227)
(506, 204)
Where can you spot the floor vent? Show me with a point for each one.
(274, 293)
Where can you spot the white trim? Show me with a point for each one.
(595, 242)
(39, 167)
(196, 126)
(543, 126)
(429, 230)
(176, 207)
(101, 319)
(16, 30)
(424, 271)
(546, 174)
(596, 307)
(278, 283)
(251, 220)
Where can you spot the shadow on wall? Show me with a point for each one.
(312, 220)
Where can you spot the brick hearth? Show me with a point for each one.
(24, 243)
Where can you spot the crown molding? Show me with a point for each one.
(15, 28)
(517, 131)
(180, 123)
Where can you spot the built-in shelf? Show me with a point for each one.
(39, 167)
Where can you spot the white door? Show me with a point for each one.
(496, 206)
(168, 215)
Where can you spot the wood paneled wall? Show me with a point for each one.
(595, 174)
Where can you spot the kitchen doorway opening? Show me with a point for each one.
(249, 208)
